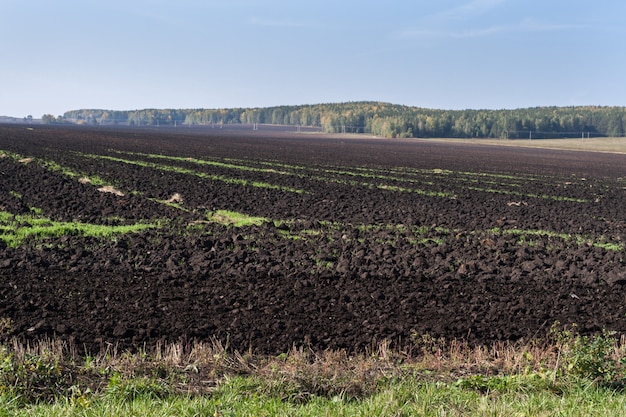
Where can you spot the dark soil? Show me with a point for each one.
(493, 243)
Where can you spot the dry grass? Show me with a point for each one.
(176, 198)
(296, 375)
(608, 145)
(432, 378)
(51, 368)
(111, 189)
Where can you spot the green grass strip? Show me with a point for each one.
(15, 229)
(205, 162)
(578, 239)
(249, 396)
(367, 173)
(530, 195)
(186, 171)
(54, 166)
(14, 156)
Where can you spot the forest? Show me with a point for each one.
(383, 119)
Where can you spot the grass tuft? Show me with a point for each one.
(233, 218)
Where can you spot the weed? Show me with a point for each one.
(588, 357)
(6, 326)
(130, 389)
(31, 377)
(521, 383)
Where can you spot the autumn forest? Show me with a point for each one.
(382, 119)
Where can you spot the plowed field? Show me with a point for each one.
(269, 240)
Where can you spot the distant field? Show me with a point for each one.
(612, 145)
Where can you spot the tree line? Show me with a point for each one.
(384, 119)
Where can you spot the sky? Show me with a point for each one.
(64, 55)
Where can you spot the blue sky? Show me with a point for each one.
(453, 54)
